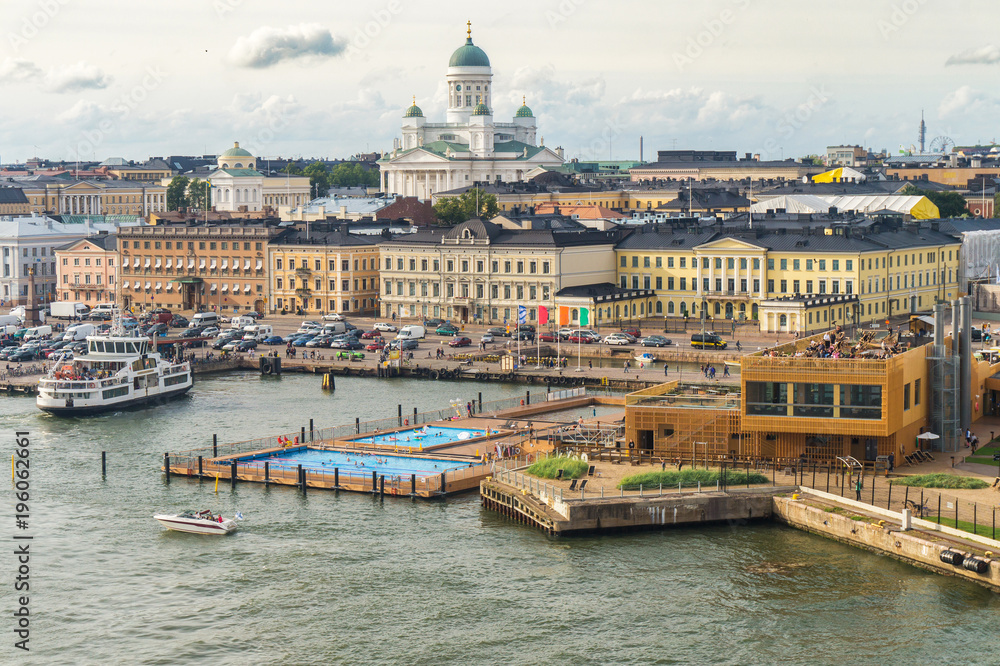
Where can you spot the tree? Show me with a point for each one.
(455, 210)
(197, 193)
(177, 192)
(292, 169)
(319, 179)
(949, 204)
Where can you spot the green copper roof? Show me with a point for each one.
(481, 110)
(236, 151)
(414, 112)
(469, 55)
(524, 112)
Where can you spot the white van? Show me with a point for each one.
(411, 332)
(204, 319)
(334, 328)
(242, 322)
(37, 333)
(79, 332)
(258, 332)
(102, 309)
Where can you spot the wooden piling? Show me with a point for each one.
(104, 463)
(215, 446)
(336, 477)
(166, 465)
(232, 474)
(200, 470)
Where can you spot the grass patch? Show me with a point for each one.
(548, 468)
(689, 477)
(941, 481)
(964, 525)
(981, 460)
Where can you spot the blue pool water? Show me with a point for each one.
(355, 462)
(422, 437)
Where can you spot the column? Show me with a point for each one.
(698, 275)
(437, 182)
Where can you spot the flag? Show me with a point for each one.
(563, 315)
(584, 316)
(522, 314)
(543, 315)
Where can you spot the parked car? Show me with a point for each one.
(499, 331)
(548, 336)
(210, 331)
(177, 321)
(633, 331)
(377, 345)
(434, 323)
(246, 345)
(526, 327)
(631, 338)
(274, 340)
(192, 332)
(403, 344)
(460, 342)
(525, 336)
(707, 341)
(333, 316)
(616, 339)
(565, 333)
(23, 355)
(347, 343)
(368, 335)
(383, 326)
(319, 341)
(302, 340)
(487, 337)
(581, 338)
(447, 329)
(655, 341)
(157, 329)
(352, 355)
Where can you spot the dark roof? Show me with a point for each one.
(420, 213)
(603, 291)
(706, 199)
(12, 195)
(511, 237)
(107, 242)
(339, 237)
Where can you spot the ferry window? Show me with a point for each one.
(120, 347)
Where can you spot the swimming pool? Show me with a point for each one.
(422, 437)
(354, 462)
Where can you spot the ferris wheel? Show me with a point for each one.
(942, 144)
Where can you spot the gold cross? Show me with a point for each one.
(469, 23)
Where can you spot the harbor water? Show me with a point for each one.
(348, 578)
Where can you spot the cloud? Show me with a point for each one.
(984, 55)
(965, 101)
(267, 46)
(74, 78)
(18, 69)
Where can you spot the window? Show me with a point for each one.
(784, 286)
(916, 389)
(770, 264)
(388, 264)
(277, 264)
(809, 264)
(684, 262)
(278, 283)
(906, 397)
(645, 262)
(770, 286)
(809, 286)
(545, 267)
(795, 264)
(670, 283)
(624, 261)
(520, 267)
(684, 284)
(784, 264)
(635, 262)
(822, 264)
(506, 267)
(743, 263)
(730, 263)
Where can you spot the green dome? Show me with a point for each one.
(524, 112)
(481, 110)
(414, 112)
(469, 55)
(236, 151)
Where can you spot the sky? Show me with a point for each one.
(89, 79)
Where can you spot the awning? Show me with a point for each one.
(214, 264)
(148, 284)
(236, 288)
(225, 287)
(201, 264)
(214, 287)
(170, 263)
(191, 262)
(159, 263)
(159, 285)
(246, 266)
(138, 261)
(188, 280)
(246, 289)
(170, 286)
(225, 264)
(125, 284)
(148, 262)
(260, 264)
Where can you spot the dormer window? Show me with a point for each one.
(466, 233)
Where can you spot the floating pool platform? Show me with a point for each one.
(433, 459)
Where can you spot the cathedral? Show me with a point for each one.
(470, 147)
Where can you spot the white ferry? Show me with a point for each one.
(117, 371)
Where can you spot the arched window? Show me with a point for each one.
(238, 166)
(670, 307)
(718, 309)
(783, 321)
(642, 308)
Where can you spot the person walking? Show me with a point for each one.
(725, 371)
(666, 369)
(858, 486)
(590, 365)
(625, 366)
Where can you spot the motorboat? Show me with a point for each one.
(118, 370)
(198, 522)
(645, 357)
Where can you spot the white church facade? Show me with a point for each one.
(237, 185)
(469, 147)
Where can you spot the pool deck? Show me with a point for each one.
(521, 430)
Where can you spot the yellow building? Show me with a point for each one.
(324, 270)
(13, 202)
(732, 275)
(59, 196)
